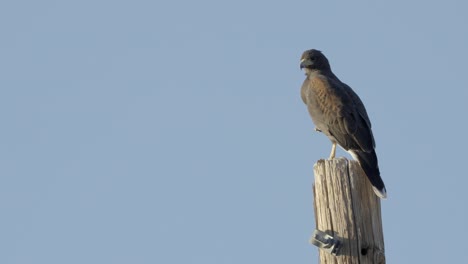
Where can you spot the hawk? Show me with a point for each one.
(338, 112)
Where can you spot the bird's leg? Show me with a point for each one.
(332, 154)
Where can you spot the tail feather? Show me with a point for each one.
(369, 164)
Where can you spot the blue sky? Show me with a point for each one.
(174, 132)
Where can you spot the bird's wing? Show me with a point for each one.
(350, 125)
(361, 110)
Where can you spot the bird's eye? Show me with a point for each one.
(312, 58)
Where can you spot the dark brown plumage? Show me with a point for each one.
(339, 113)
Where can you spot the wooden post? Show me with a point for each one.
(347, 209)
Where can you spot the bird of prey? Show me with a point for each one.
(338, 112)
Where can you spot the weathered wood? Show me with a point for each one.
(347, 208)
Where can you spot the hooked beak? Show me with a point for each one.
(305, 63)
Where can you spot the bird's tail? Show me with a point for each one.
(369, 163)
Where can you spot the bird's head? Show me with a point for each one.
(314, 60)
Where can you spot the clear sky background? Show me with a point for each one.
(173, 131)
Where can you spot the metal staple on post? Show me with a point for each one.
(325, 242)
